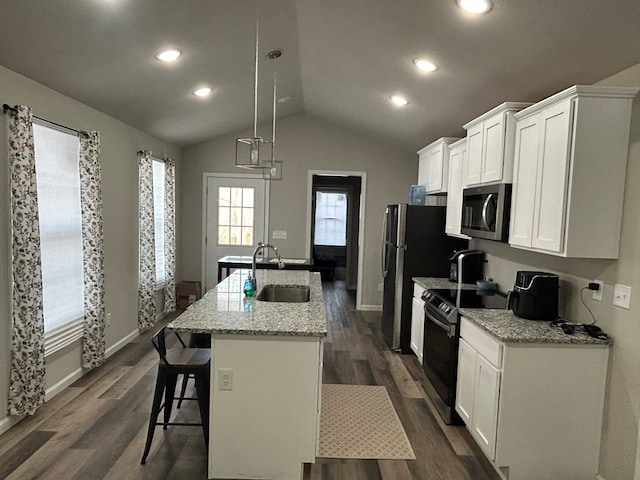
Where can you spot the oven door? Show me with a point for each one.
(440, 363)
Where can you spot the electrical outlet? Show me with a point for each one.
(225, 379)
(622, 296)
(107, 320)
(597, 294)
(381, 287)
(279, 235)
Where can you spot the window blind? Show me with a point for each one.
(331, 219)
(158, 218)
(58, 188)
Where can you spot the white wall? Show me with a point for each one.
(303, 143)
(119, 144)
(622, 411)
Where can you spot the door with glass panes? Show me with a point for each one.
(236, 213)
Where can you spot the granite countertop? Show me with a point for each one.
(225, 309)
(508, 328)
(432, 282)
(248, 259)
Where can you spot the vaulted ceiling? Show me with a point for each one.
(341, 61)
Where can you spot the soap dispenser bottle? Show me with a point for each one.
(249, 286)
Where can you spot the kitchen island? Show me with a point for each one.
(266, 374)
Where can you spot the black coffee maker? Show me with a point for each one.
(535, 295)
(466, 266)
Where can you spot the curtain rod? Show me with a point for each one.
(150, 153)
(84, 133)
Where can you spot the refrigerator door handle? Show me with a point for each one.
(383, 258)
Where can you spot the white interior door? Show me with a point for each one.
(235, 217)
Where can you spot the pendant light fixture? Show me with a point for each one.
(256, 152)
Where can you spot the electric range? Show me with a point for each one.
(441, 340)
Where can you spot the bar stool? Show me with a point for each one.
(196, 340)
(175, 362)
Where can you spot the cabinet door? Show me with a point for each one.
(485, 406)
(417, 327)
(473, 165)
(466, 382)
(454, 191)
(552, 181)
(524, 181)
(436, 169)
(493, 149)
(423, 170)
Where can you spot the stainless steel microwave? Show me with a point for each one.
(485, 211)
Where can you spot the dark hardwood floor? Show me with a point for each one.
(96, 428)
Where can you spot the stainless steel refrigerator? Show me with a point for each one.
(414, 245)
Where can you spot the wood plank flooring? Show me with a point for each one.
(96, 428)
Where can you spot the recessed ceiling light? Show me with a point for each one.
(475, 6)
(168, 55)
(398, 100)
(425, 65)
(202, 92)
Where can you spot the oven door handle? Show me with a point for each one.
(447, 327)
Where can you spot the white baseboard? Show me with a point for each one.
(370, 308)
(121, 343)
(64, 383)
(7, 422)
(78, 373)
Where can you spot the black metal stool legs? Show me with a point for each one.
(155, 411)
(187, 362)
(202, 390)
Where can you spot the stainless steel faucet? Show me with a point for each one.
(261, 246)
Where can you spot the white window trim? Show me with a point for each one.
(63, 336)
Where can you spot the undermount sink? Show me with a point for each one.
(284, 293)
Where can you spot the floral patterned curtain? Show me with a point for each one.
(93, 344)
(147, 251)
(26, 390)
(170, 235)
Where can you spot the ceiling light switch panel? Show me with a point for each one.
(622, 296)
(279, 235)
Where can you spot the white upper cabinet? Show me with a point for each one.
(490, 146)
(570, 161)
(457, 153)
(433, 166)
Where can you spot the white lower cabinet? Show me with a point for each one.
(417, 321)
(530, 407)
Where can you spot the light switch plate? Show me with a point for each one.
(279, 235)
(622, 296)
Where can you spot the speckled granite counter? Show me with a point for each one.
(432, 282)
(508, 328)
(226, 310)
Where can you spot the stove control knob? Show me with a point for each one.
(446, 308)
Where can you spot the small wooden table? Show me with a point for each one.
(244, 261)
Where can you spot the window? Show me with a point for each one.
(235, 216)
(331, 219)
(158, 218)
(58, 190)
